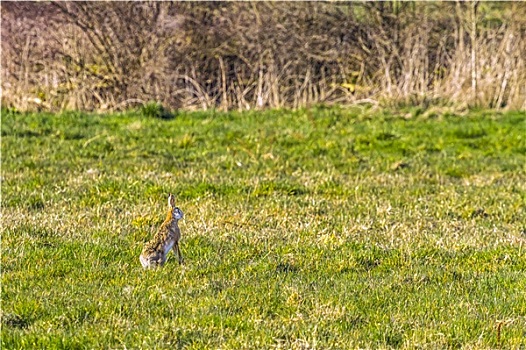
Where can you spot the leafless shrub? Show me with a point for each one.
(114, 55)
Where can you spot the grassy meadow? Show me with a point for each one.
(327, 228)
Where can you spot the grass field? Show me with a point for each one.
(325, 228)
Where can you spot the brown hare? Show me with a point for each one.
(167, 237)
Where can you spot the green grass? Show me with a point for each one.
(320, 228)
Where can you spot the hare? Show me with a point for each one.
(167, 237)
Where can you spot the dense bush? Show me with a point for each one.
(116, 55)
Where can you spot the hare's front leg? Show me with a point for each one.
(181, 261)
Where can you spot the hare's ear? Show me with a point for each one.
(171, 200)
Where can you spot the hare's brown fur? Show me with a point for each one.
(167, 237)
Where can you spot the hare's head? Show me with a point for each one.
(176, 212)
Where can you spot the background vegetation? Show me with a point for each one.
(319, 228)
(243, 55)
